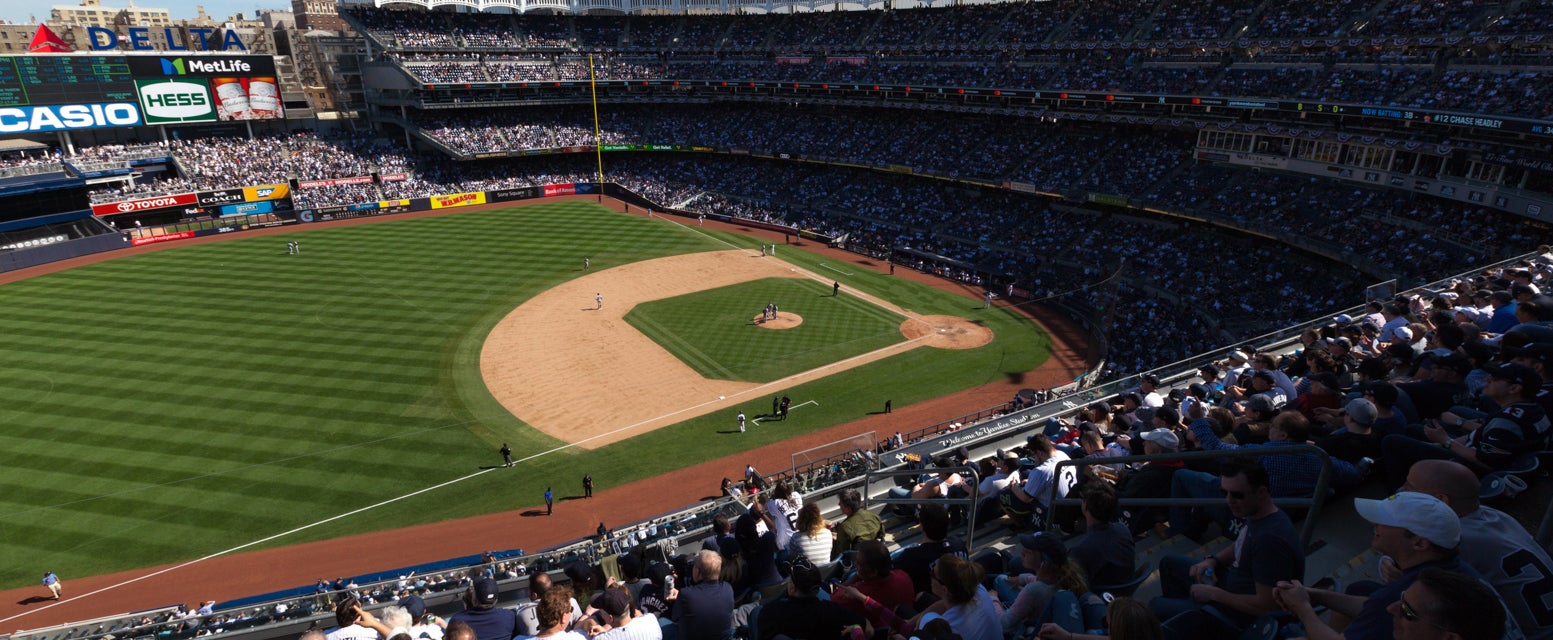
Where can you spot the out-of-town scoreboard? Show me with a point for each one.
(63, 92)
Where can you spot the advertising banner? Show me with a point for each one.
(552, 190)
(145, 204)
(181, 235)
(507, 195)
(310, 184)
(266, 192)
(68, 117)
(363, 206)
(392, 177)
(458, 200)
(248, 208)
(175, 100)
(390, 204)
(223, 196)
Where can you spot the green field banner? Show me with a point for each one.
(618, 147)
(1102, 198)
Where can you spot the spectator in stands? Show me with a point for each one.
(617, 619)
(1355, 439)
(877, 578)
(528, 613)
(1148, 388)
(1503, 318)
(554, 614)
(757, 551)
(1519, 429)
(1446, 383)
(722, 535)
(654, 596)
(861, 524)
(803, 614)
(1125, 619)
(1292, 474)
(813, 539)
(963, 601)
(1417, 531)
(1442, 604)
(703, 610)
(1106, 551)
(1492, 542)
(1245, 573)
(1004, 472)
(1153, 479)
(783, 513)
(1033, 498)
(422, 624)
(917, 560)
(458, 630)
(481, 614)
(1027, 596)
(355, 623)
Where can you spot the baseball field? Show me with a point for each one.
(182, 403)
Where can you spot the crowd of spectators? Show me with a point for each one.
(983, 27)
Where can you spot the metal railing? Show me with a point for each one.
(1313, 503)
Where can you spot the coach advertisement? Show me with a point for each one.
(143, 205)
(220, 197)
(458, 200)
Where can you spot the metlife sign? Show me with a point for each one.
(68, 117)
(173, 101)
(201, 66)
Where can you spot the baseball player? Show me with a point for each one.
(741, 422)
(835, 289)
(52, 582)
(506, 454)
(599, 298)
(586, 262)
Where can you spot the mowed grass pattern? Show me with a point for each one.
(166, 406)
(712, 330)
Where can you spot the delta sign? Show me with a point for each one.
(139, 39)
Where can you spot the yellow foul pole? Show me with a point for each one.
(598, 138)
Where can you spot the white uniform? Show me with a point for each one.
(741, 422)
(1514, 564)
(599, 298)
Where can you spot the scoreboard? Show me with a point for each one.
(63, 92)
(43, 80)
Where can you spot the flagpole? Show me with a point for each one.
(598, 138)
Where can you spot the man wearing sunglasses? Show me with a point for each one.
(1447, 606)
(1237, 583)
(1415, 530)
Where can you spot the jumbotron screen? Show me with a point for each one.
(62, 92)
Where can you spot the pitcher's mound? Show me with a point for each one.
(947, 332)
(784, 320)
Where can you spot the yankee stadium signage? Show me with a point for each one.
(63, 117)
(139, 39)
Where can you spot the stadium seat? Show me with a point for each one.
(1126, 588)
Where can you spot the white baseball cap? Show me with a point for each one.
(1420, 513)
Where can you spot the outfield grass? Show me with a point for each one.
(169, 405)
(712, 330)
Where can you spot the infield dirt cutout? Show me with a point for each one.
(586, 376)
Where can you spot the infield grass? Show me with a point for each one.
(165, 406)
(712, 330)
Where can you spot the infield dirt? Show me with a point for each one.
(577, 371)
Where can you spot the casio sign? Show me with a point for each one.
(175, 100)
(67, 116)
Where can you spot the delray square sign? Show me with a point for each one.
(175, 100)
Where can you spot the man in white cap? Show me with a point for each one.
(1417, 531)
(1235, 366)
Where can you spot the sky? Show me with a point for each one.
(17, 11)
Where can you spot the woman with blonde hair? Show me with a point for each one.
(1125, 619)
(812, 539)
